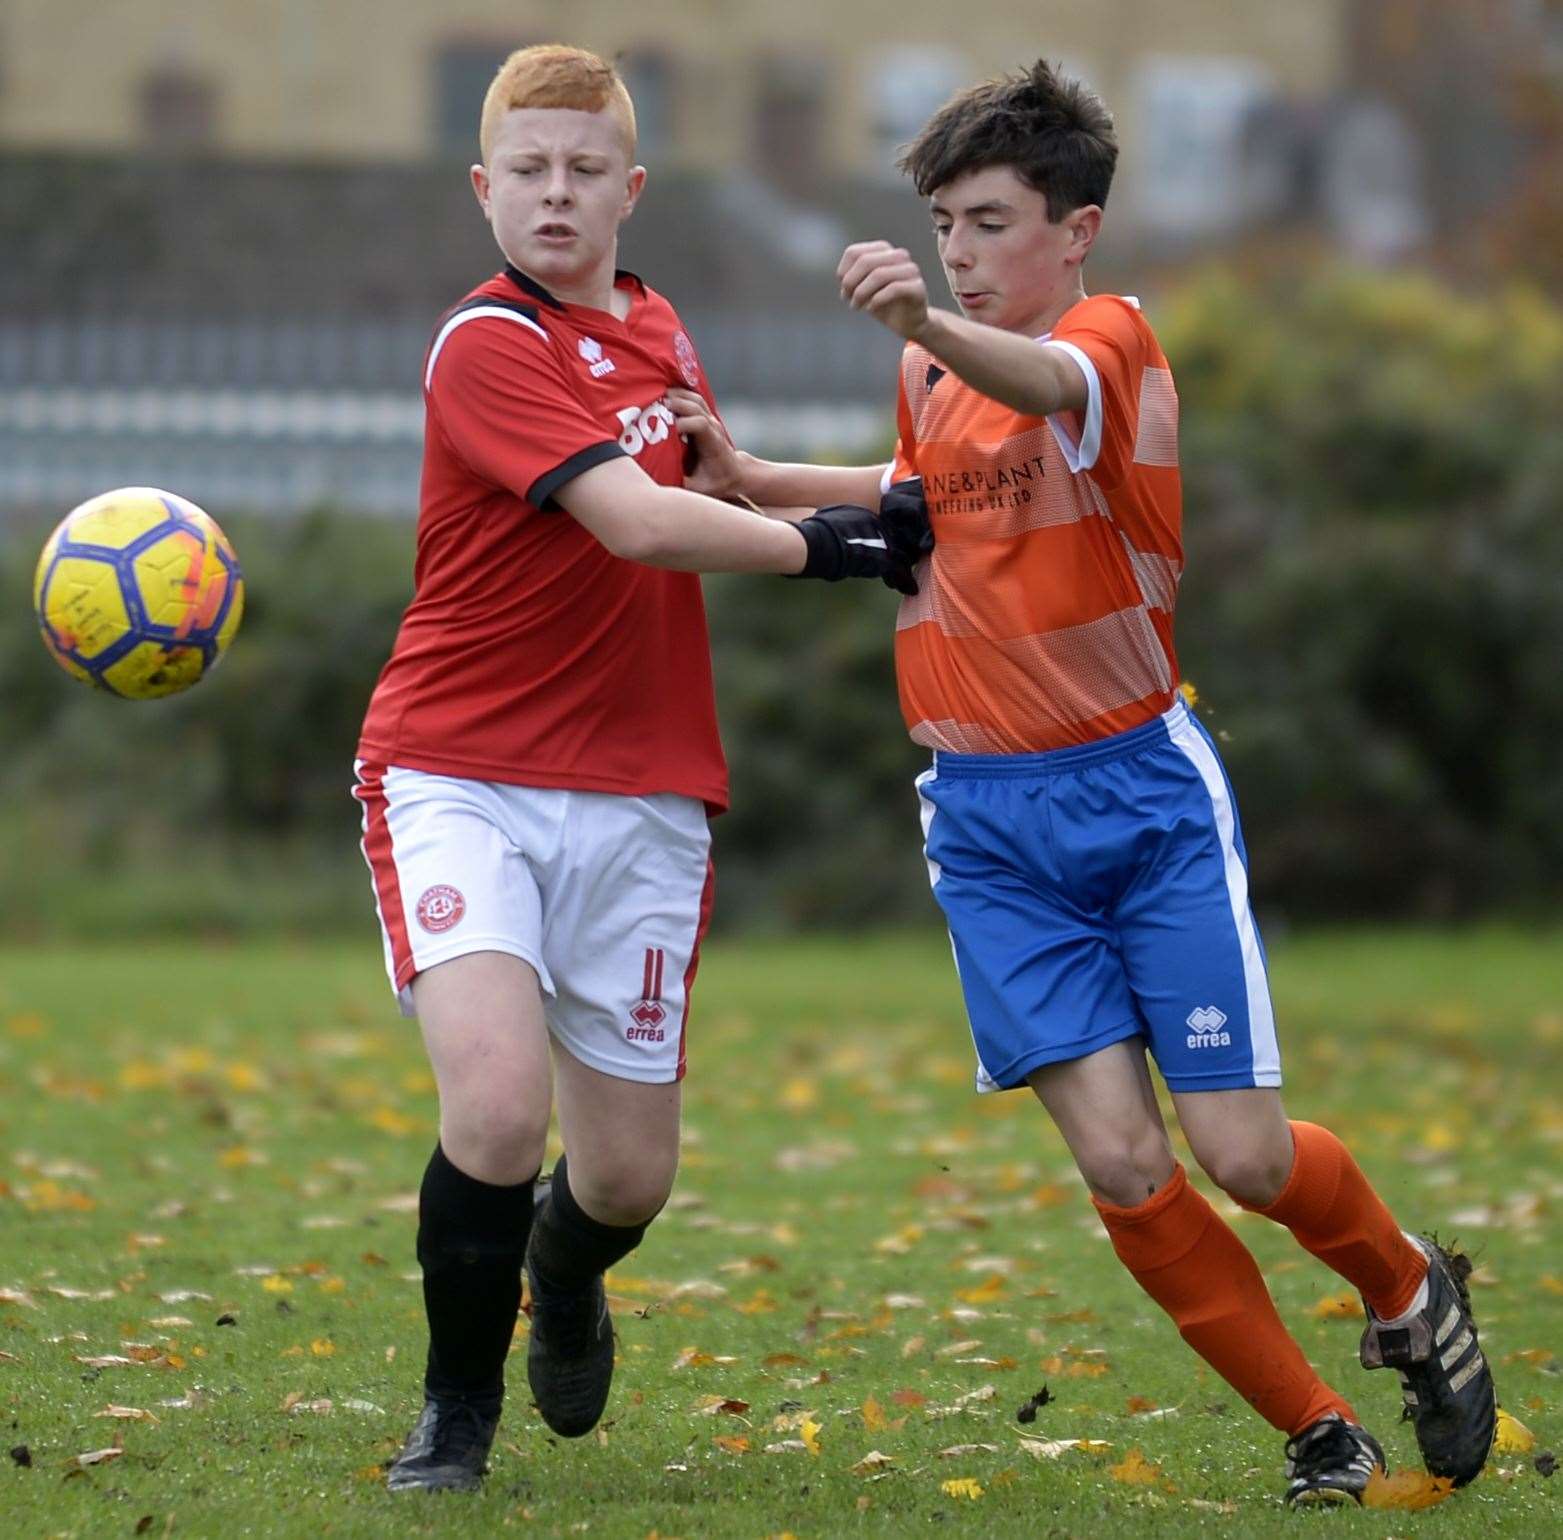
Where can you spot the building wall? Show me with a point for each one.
(359, 79)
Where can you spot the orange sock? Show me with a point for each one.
(1330, 1206)
(1188, 1260)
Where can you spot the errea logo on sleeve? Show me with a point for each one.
(597, 363)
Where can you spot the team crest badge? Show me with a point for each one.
(688, 364)
(440, 907)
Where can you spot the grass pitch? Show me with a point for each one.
(210, 1322)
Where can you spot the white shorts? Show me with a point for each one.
(606, 897)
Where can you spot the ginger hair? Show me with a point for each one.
(554, 75)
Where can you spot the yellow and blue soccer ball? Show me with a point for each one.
(138, 592)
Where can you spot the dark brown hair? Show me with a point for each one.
(1051, 130)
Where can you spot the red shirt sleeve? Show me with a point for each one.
(1111, 343)
(497, 391)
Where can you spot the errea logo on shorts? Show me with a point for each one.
(648, 1013)
(644, 425)
(1207, 1022)
(596, 364)
(440, 907)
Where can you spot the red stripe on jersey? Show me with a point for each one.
(645, 983)
(656, 983)
(382, 869)
(707, 896)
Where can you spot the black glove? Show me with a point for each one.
(847, 541)
(903, 515)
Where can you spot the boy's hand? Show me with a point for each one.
(903, 515)
(711, 463)
(885, 282)
(846, 541)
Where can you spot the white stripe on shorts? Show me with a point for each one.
(985, 1081)
(1261, 1015)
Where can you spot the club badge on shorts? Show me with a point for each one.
(440, 907)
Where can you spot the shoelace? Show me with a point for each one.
(570, 1322)
(461, 1430)
(1326, 1448)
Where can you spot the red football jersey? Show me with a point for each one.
(530, 654)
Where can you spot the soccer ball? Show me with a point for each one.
(138, 593)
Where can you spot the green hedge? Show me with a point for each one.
(1374, 605)
(1373, 618)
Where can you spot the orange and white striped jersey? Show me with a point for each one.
(1044, 617)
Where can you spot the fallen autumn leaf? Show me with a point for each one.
(1408, 1490)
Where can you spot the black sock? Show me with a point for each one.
(569, 1247)
(471, 1240)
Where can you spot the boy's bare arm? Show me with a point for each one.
(640, 520)
(1004, 366)
(777, 485)
(786, 491)
(883, 281)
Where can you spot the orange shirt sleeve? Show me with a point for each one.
(1110, 341)
(903, 463)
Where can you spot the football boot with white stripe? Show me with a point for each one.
(1447, 1386)
(1331, 1462)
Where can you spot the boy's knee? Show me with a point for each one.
(622, 1195)
(1126, 1173)
(498, 1144)
(1252, 1174)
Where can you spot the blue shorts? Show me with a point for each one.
(1097, 894)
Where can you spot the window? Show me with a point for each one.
(1214, 152)
(463, 73)
(906, 87)
(1371, 182)
(649, 78)
(178, 109)
(789, 120)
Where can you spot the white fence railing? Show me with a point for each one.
(830, 354)
(272, 451)
(285, 415)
